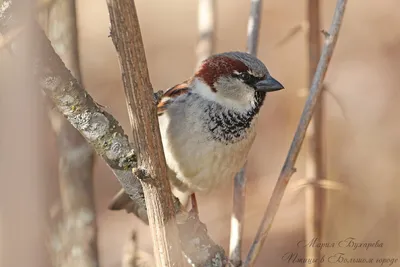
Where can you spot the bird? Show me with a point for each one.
(208, 122)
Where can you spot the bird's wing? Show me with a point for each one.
(171, 94)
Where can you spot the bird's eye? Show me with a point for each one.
(246, 77)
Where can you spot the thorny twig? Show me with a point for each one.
(288, 166)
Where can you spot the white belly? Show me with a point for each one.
(198, 161)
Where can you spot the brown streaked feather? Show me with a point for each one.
(170, 94)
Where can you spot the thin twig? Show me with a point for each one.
(253, 26)
(315, 164)
(239, 189)
(237, 218)
(126, 36)
(288, 166)
(206, 20)
(78, 228)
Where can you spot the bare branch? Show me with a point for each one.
(239, 189)
(237, 218)
(206, 20)
(253, 26)
(315, 164)
(126, 35)
(288, 167)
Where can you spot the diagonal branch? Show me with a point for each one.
(288, 166)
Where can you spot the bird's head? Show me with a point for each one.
(236, 80)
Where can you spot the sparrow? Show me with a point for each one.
(208, 122)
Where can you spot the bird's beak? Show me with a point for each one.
(269, 84)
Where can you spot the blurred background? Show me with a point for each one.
(361, 119)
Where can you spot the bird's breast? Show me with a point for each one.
(203, 147)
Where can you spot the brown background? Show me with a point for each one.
(363, 141)
(363, 126)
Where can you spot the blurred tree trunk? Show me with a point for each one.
(77, 229)
(23, 198)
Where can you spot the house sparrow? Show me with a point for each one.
(207, 123)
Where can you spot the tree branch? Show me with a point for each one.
(288, 166)
(126, 35)
(199, 249)
(237, 218)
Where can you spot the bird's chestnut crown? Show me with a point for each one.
(236, 79)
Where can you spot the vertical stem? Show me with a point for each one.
(206, 20)
(315, 165)
(239, 189)
(253, 26)
(237, 218)
(76, 157)
(126, 36)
